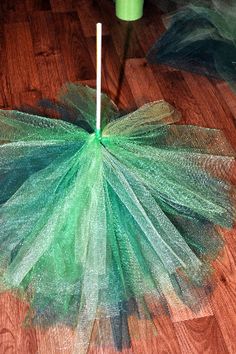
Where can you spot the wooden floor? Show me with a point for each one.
(45, 43)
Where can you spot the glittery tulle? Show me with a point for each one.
(94, 230)
(201, 37)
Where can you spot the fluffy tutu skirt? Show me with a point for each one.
(93, 227)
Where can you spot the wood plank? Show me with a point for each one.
(21, 66)
(211, 105)
(200, 335)
(44, 36)
(148, 340)
(142, 82)
(14, 337)
(55, 340)
(73, 47)
(4, 92)
(50, 62)
(37, 5)
(174, 90)
(52, 74)
(63, 5)
(224, 295)
(149, 28)
(89, 14)
(20, 6)
(228, 95)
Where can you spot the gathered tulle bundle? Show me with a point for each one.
(201, 38)
(93, 227)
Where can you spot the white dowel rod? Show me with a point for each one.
(99, 77)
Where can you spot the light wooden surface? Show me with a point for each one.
(44, 44)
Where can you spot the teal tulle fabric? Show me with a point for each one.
(93, 227)
(201, 38)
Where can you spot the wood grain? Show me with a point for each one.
(15, 337)
(224, 295)
(89, 14)
(44, 44)
(200, 335)
(21, 65)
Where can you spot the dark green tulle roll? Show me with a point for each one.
(92, 228)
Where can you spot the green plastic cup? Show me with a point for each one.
(129, 10)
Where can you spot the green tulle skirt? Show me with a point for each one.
(92, 226)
